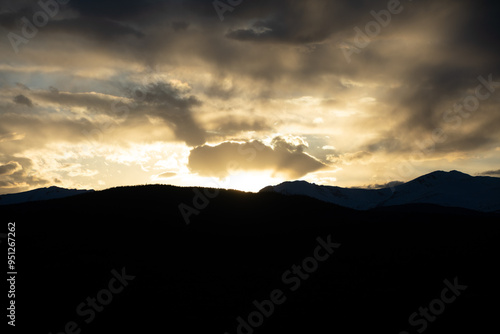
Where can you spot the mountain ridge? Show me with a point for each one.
(40, 194)
(236, 249)
(450, 189)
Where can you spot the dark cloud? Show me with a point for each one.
(491, 173)
(38, 129)
(391, 184)
(102, 30)
(113, 9)
(18, 175)
(385, 143)
(216, 90)
(9, 168)
(9, 136)
(300, 22)
(160, 100)
(21, 99)
(479, 30)
(23, 87)
(96, 102)
(180, 26)
(167, 103)
(8, 20)
(429, 90)
(281, 158)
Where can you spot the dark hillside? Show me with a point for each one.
(201, 277)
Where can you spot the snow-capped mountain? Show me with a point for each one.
(40, 194)
(451, 189)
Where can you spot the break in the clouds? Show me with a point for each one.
(102, 93)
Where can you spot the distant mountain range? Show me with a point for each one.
(449, 189)
(40, 194)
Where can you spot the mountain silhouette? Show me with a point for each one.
(40, 194)
(239, 250)
(450, 189)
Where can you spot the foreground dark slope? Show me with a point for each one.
(202, 276)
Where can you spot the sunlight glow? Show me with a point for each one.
(250, 181)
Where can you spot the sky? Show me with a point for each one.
(246, 93)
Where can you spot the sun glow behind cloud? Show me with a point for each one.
(243, 180)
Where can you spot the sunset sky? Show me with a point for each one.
(243, 94)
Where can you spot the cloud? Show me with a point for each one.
(166, 102)
(281, 158)
(18, 175)
(97, 29)
(217, 90)
(101, 103)
(491, 173)
(21, 99)
(300, 22)
(9, 168)
(112, 9)
(167, 175)
(232, 125)
(348, 158)
(37, 129)
(6, 137)
(76, 169)
(390, 184)
(180, 26)
(111, 116)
